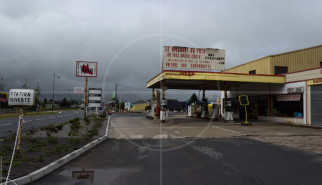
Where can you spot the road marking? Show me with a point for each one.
(236, 132)
(41, 119)
(6, 124)
(51, 117)
(59, 116)
(136, 136)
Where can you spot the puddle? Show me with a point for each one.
(95, 176)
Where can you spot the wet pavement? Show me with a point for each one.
(195, 151)
(188, 161)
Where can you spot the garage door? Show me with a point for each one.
(316, 104)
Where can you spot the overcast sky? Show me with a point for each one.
(41, 37)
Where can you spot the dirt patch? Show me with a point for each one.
(47, 144)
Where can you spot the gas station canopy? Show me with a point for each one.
(197, 80)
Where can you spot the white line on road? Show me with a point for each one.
(136, 136)
(6, 124)
(41, 119)
(236, 132)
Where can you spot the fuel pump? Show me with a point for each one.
(190, 113)
(229, 111)
(149, 110)
(215, 112)
(163, 112)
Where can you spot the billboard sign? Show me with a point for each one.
(128, 105)
(291, 97)
(202, 59)
(78, 90)
(21, 97)
(86, 69)
(3, 96)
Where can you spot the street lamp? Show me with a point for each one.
(52, 102)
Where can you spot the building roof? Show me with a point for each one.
(139, 102)
(294, 51)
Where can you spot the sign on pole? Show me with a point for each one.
(204, 59)
(94, 97)
(21, 97)
(86, 69)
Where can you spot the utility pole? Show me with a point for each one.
(115, 98)
(85, 98)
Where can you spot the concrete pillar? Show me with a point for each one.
(163, 112)
(226, 89)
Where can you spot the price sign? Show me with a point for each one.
(243, 100)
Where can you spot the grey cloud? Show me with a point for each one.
(39, 38)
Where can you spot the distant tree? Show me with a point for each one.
(37, 91)
(64, 103)
(193, 98)
(45, 102)
(1, 83)
(37, 101)
(25, 85)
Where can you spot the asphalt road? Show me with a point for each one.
(228, 160)
(204, 161)
(10, 124)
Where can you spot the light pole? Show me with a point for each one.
(53, 101)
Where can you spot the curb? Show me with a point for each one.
(33, 176)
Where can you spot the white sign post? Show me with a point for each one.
(19, 98)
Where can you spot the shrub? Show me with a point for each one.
(60, 148)
(60, 126)
(75, 141)
(51, 140)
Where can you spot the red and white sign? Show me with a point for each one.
(291, 97)
(83, 175)
(86, 69)
(193, 58)
(78, 90)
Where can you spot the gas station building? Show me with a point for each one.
(283, 88)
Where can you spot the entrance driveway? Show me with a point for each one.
(129, 126)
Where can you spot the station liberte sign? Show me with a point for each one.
(21, 97)
(206, 59)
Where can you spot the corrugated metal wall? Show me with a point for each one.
(299, 60)
(295, 61)
(262, 66)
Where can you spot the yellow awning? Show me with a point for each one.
(208, 80)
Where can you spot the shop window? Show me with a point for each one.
(253, 72)
(263, 105)
(280, 70)
(252, 108)
(290, 105)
